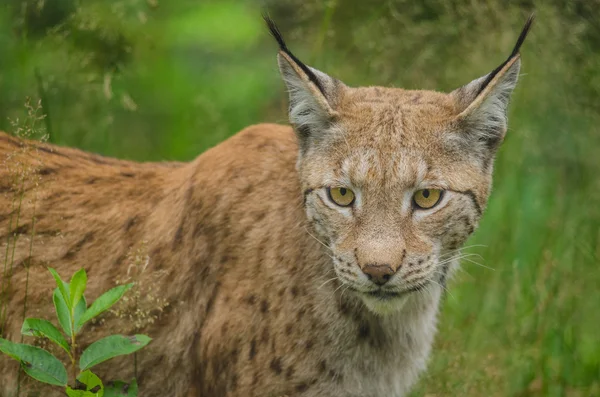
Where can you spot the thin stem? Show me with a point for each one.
(73, 353)
(6, 284)
(29, 260)
(19, 382)
(3, 302)
(44, 99)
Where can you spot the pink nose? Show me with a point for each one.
(379, 274)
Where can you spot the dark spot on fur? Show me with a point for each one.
(77, 247)
(234, 380)
(130, 223)
(252, 351)
(91, 181)
(210, 303)
(247, 189)
(250, 299)
(363, 331)
(235, 353)
(300, 314)
(120, 259)
(309, 344)
(304, 132)
(281, 292)
(51, 151)
(289, 372)
(322, 366)
(288, 328)
(22, 229)
(127, 174)
(178, 237)
(276, 365)
(306, 193)
(47, 171)
(335, 376)
(294, 291)
(224, 327)
(264, 306)
(265, 336)
(259, 216)
(344, 307)
(301, 387)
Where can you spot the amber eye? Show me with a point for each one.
(341, 196)
(427, 198)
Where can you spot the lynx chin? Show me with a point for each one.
(293, 261)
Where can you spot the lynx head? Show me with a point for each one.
(395, 180)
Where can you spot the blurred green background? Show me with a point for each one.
(167, 79)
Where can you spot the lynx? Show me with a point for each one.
(307, 260)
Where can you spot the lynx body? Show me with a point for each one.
(300, 260)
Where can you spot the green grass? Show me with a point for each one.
(167, 82)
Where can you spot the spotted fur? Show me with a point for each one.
(263, 273)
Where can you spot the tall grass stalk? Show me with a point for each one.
(27, 268)
(8, 264)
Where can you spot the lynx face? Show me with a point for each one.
(395, 181)
(390, 200)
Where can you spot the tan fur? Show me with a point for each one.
(262, 273)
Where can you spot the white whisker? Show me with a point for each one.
(331, 279)
(320, 242)
(443, 287)
(479, 264)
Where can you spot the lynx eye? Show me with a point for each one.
(341, 196)
(427, 198)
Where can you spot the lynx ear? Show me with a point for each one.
(483, 103)
(312, 94)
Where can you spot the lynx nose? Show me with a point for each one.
(379, 274)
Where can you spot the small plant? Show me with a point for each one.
(73, 313)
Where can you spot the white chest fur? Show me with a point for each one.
(392, 355)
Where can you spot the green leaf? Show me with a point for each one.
(62, 312)
(36, 362)
(43, 328)
(88, 385)
(121, 389)
(62, 286)
(79, 311)
(111, 346)
(103, 303)
(77, 288)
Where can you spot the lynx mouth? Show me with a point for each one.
(384, 295)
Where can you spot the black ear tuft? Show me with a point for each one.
(522, 36)
(513, 54)
(276, 33)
